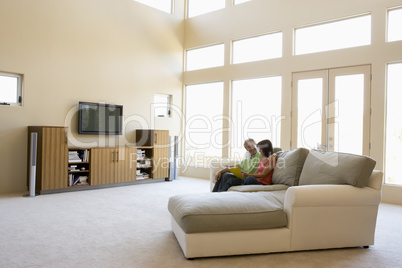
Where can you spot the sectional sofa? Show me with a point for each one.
(318, 200)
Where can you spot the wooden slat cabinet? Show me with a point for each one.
(161, 154)
(126, 170)
(52, 157)
(113, 165)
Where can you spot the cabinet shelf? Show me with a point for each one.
(79, 168)
(78, 171)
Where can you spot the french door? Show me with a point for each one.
(331, 109)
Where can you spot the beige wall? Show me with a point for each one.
(113, 51)
(261, 16)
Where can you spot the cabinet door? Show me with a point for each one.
(54, 158)
(161, 154)
(103, 165)
(144, 137)
(126, 165)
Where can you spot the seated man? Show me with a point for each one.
(248, 165)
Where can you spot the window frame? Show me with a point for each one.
(191, 161)
(274, 138)
(326, 23)
(189, 16)
(18, 91)
(204, 47)
(232, 52)
(386, 126)
(387, 24)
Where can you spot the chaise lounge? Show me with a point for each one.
(318, 200)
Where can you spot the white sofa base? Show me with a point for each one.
(319, 217)
(198, 245)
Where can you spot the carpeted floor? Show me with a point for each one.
(130, 227)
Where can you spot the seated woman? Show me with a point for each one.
(265, 168)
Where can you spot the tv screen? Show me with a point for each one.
(100, 118)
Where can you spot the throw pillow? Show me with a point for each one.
(323, 167)
(289, 167)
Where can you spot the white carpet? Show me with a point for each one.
(130, 227)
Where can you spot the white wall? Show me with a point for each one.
(262, 16)
(113, 51)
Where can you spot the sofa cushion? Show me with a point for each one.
(289, 166)
(228, 211)
(323, 167)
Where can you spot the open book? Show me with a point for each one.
(236, 171)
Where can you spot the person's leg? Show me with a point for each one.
(217, 185)
(251, 181)
(222, 181)
(233, 181)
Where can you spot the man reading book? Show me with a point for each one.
(249, 165)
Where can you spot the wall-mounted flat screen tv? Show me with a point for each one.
(100, 118)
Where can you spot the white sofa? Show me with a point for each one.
(329, 211)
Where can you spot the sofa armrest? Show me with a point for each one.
(376, 180)
(336, 195)
(331, 195)
(332, 216)
(217, 165)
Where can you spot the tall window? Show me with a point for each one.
(256, 112)
(199, 7)
(206, 57)
(10, 89)
(309, 109)
(162, 5)
(257, 48)
(394, 25)
(340, 34)
(393, 160)
(203, 130)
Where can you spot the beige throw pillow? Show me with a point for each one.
(289, 167)
(336, 168)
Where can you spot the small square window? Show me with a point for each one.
(10, 89)
(162, 105)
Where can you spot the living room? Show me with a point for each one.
(124, 52)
